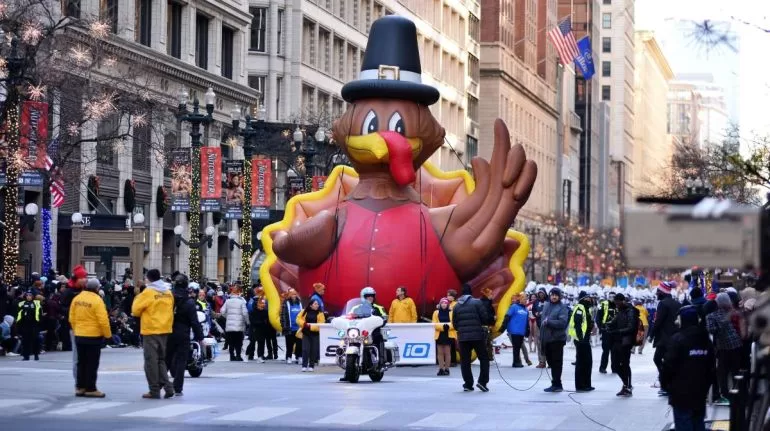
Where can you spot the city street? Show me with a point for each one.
(232, 395)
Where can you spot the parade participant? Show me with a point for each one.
(644, 320)
(664, 325)
(580, 327)
(28, 322)
(402, 309)
(606, 313)
(185, 320)
(469, 318)
(91, 326)
(623, 329)
(236, 317)
(444, 334)
(537, 312)
(689, 359)
(553, 332)
(292, 306)
(308, 320)
(154, 306)
(516, 324)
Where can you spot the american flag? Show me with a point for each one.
(564, 40)
(57, 184)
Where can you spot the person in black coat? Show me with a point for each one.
(185, 319)
(689, 357)
(259, 321)
(469, 317)
(665, 323)
(623, 330)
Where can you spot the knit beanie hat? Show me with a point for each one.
(79, 272)
(724, 301)
(443, 300)
(93, 284)
(666, 286)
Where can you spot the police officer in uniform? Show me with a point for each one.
(368, 303)
(580, 326)
(607, 312)
(28, 321)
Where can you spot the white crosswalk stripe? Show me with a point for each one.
(351, 417)
(80, 408)
(257, 414)
(530, 422)
(231, 375)
(167, 411)
(17, 402)
(294, 376)
(444, 420)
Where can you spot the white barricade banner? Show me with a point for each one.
(415, 341)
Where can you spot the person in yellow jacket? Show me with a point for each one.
(445, 336)
(308, 321)
(90, 325)
(644, 317)
(155, 309)
(402, 309)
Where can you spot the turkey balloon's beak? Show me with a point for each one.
(372, 149)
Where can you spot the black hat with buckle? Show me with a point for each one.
(391, 67)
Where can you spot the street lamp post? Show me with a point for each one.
(196, 119)
(206, 239)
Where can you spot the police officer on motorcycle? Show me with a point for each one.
(185, 319)
(368, 306)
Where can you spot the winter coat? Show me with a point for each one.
(451, 332)
(537, 309)
(319, 298)
(402, 311)
(553, 323)
(185, 316)
(88, 317)
(289, 312)
(235, 314)
(53, 307)
(259, 319)
(490, 310)
(516, 319)
(469, 318)
(155, 309)
(665, 321)
(66, 299)
(624, 326)
(309, 321)
(219, 302)
(688, 362)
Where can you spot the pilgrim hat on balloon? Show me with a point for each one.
(391, 68)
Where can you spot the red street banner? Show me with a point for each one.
(261, 182)
(211, 179)
(34, 133)
(318, 182)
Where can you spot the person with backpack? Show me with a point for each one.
(623, 330)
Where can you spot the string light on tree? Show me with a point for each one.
(11, 195)
(80, 54)
(46, 220)
(31, 33)
(246, 229)
(73, 129)
(99, 29)
(140, 120)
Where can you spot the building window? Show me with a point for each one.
(324, 50)
(606, 20)
(606, 92)
(143, 22)
(307, 98)
(107, 132)
(606, 44)
(607, 1)
(202, 42)
(474, 27)
(308, 43)
(280, 31)
(169, 144)
(341, 9)
(174, 30)
(257, 82)
(142, 148)
(278, 92)
(258, 29)
(71, 8)
(473, 108)
(474, 71)
(108, 11)
(471, 149)
(228, 38)
(606, 68)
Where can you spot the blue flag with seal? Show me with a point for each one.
(585, 61)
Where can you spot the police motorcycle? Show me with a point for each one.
(201, 353)
(357, 353)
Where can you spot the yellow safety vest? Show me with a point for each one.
(583, 326)
(203, 304)
(605, 305)
(37, 311)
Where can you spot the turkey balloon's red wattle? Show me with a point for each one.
(400, 155)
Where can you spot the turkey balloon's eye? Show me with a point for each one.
(396, 124)
(371, 123)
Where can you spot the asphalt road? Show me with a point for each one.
(277, 396)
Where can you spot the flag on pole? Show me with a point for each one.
(564, 40)
(57, 184)
(585, 61)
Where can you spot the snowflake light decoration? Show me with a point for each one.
(31, 33)
(3, 8)
(80, 54)
(73, 129)
(110, 61)
(140, 120)
(232, 141)
(99, 29)
(36, 92)
(145, 95)
(97, 109)
(3, 63)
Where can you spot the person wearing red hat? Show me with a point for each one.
(665, 324)
(74, 286)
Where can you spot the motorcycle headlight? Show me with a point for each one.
(353, 333)
(341, 333)
(387, 333)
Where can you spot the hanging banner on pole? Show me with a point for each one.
(211, 179)
(261, 187)
(181, 180)
(234, 193)
(33, 141)
(318, 182)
